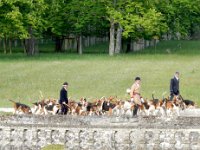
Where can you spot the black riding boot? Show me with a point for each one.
(171, 97)
(135, 110)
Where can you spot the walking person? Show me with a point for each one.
(63, 101)
(174, 86)
(135, 95)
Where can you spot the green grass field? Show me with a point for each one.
(96, 75)
(54, 147)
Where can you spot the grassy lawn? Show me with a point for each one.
(93, 76)
(54, 147)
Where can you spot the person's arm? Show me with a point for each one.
(66, 95)
(171, 86)
(131, 92)
(178, 87)
(60, 100)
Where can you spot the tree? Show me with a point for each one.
(74, 18)
(180, 15)
(137, 19)
(58, 25)
(112, 11)
(33, 20)
(21, 19)
(11, 23)
(87, 17)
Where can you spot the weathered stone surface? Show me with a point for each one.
(72, 139)
(104, 139)
(194, 138)
(86, 139)
(93, 133)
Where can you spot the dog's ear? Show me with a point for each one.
(36, 104)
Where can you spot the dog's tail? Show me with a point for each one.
(163, 94)
(153, 96)
(181, 97)
(41, 94)
(102, 97)
(12, 101)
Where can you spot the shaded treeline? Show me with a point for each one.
(75, 24)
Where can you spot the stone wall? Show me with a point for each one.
(103, 133)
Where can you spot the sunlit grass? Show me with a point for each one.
(96, 76)
(92, 76)
(54, 147)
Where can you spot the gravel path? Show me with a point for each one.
(6, 109)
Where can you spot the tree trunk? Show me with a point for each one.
(80, 46)
(66, 44)
(88, 41)
(15, 43)
(128, 49)
(119, 40)
(112, 38)
(30, 46)
(92, 40)
(5, 45)
(23, 43)
(10, 46)
(59, 43)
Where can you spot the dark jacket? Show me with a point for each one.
(174, 86)
(106, 106)
(63, 96)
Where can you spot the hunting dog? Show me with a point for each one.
(152, 107)
(52, 107)
(21, 108)
(38, 107)
(78, 108)
(188, 103)
(108, 105)
(172, 107)
(46, 106)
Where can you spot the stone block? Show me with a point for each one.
(104, 139)
(72, 139)
(194, 138)
(41, 138)
(86, 139)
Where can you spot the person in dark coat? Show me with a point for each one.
(174, 86)
(63, 101)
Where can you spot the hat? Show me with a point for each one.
(137, 78)
(177, 72)
(65, 83)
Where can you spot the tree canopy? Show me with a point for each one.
(59, 19)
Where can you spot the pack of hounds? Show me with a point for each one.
(111, 106)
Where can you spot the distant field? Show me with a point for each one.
(174, 47)
(93, 76)
(163, 47)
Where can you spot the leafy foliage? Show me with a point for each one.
(180, 15)
(63, 18)
(138, 19)
(75, 17)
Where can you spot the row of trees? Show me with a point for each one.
(124, 20)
